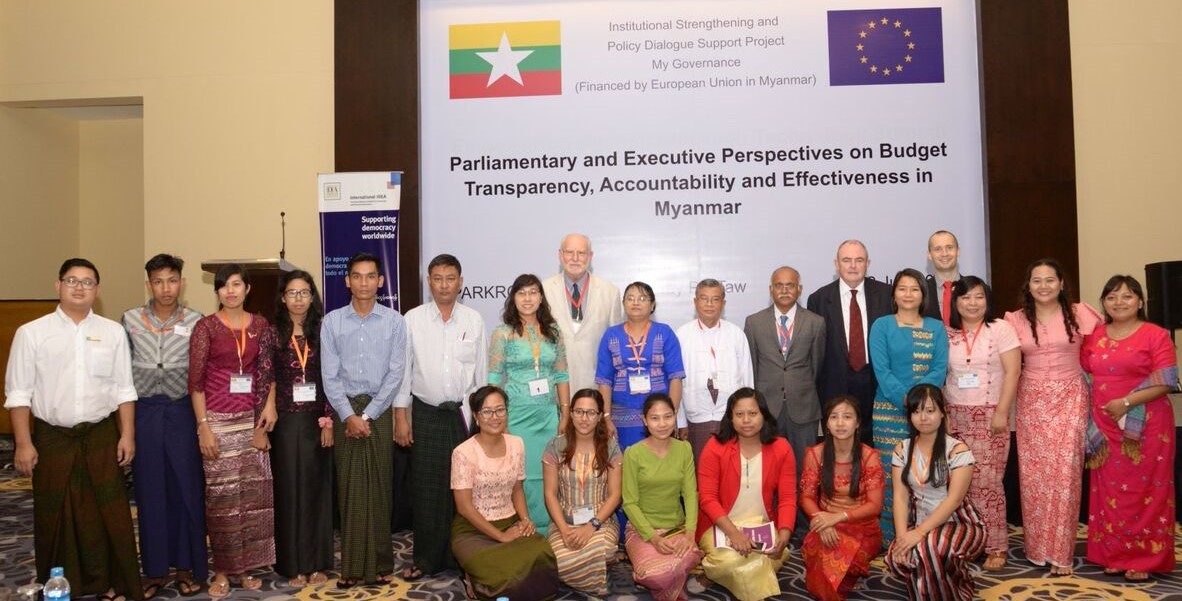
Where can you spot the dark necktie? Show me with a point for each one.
(576, 308)
(946, 303)
(857, 354)
(786, 343)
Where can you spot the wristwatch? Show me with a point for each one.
(596, 523)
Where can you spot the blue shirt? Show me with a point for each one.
(362, 355)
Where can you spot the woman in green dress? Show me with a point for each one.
(527, 358)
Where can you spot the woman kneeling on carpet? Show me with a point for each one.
(492, 537)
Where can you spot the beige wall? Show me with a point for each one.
(237, 114)
(111, 209)
(38, 200)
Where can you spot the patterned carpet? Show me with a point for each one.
(1019, 582)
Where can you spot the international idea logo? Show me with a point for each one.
(496, 60)
(885, 46)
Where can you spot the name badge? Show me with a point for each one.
(639, 384)
(241, 383)
(582, 515)
(539, 387)
(181, 330)
(303, 393)
(970, 380)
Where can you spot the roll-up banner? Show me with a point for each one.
(696, 140)
(358, 213)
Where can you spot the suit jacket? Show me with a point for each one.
(932, 297)
(791, 382)
(602, 310)
(826, 302)
(720, 475)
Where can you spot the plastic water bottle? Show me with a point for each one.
(57, 588)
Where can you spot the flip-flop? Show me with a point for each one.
(1135, 576)
(317, 578)
(217, 590)
(298, 582)
(152, 588)
(345, 584)
(1113, 571)
(411, 574)
(110, 596)
(250, 583)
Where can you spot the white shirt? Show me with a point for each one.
(445, 361)
(68, 373)
(845, 312)
(729, 365)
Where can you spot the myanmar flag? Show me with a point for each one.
(491, 60)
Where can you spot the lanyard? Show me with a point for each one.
(301, 357)
(637, 346)
(176, 318)
(969, 345)
(535, 346)
(583, 293)
(240, 346)
(785, 335)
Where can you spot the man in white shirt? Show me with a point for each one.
(717, 363)
(71, 372)
(446, 360)
(584, 306)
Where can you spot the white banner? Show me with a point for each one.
(697, 139)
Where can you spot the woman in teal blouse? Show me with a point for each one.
(659, 480)
(906, 349)
(528, 360)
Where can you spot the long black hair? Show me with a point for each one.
(282, 319)
(1027, 300)
(599, 435)
(829, 453)
(917, 397)
(546, 323)
(726, 429)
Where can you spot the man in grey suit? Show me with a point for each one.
(787, 347)
(584, 306)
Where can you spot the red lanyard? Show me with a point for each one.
(241, 347)
(785, 335)
(969, 345)
(637, 346)
(582, 297)
(301, 357)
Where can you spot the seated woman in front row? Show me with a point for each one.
(746, 477)
(935, 545)
(841, 493)
(581, 475)
(658, 480)
(492, 537)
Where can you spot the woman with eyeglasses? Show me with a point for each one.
(637, 358)
(746, 480)
(492, 537)
(231, 381)
(581, 472)
(301, 451)
(527, 356)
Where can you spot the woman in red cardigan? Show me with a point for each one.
(747, 496)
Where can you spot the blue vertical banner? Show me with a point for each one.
(358, 213)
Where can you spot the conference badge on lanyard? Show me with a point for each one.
(303, 391)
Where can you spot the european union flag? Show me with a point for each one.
(898, 45)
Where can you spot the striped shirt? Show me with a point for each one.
(160, 350)
(362, 355)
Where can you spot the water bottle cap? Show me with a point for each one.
(56, 572)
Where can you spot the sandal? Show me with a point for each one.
(298, 582)
(1135, 576)
(185, 584)
(411, 573)
(249, 583)
(345, 584)
(1061, 570)
(219, 589)
(995, 562)
(317, 578)
(152, 587)
(384, 579)
(111, 595)
(1113, 571)
(469, 590)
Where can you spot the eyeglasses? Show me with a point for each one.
(588, 413)
(787, 286)
(498, 412)
(294, 294)
(73, 282)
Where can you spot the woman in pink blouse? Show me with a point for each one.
(492, 537)
(232, 385)
(1052, 413)
(984, 361)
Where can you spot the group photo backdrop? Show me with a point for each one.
(694, 140)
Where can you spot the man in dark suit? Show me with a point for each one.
(787, 346)
(944, 253)
(849, 306)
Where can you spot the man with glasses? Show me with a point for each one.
(362, 363)
(787, 345)
(584, 306)
(446, 360)
(717, 363)
(169, 479)
(71, 372)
